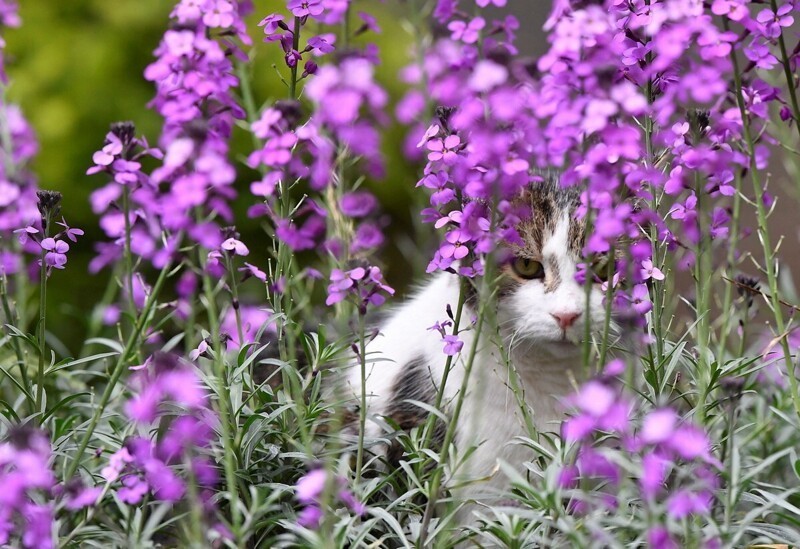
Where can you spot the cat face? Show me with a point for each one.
(540, 301)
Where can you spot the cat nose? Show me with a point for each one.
(565, 319)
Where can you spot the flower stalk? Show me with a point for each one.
(764, 238)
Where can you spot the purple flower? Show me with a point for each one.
(758, 52)
(38, 532)
(368, 236)
(133, 489)
(82, 496)
(640, 299)
(220, 14)
(56, 255)
(469, 33)
(365, 285)
(310, 517)
(455, 245)
(358, 204)
(116, 464)
(659, 425)
(235, 246)
(654, 472)
(303, 8)
(658, 537)
(309, 491)
(690, 442)
(255, 321)
(251, 270)
(444, 150)
(70, 232)
(651, 271)
(298, 239)
(310, 487)
(320, 45)
(684, 503)
(272, 23)
(341, 281)
(167, 380)
(370, 23)
(487, 76)
(452, 345)
(774, 21)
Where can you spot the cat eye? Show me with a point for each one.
(527, 268)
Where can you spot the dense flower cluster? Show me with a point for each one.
(129, 192)
(18, 146)
(26, 518)
(309, 149)
(170, 391)
(24, 470)
(636, 102)
(310, 489)
(191, 190)
(631, 101)
(671, 459)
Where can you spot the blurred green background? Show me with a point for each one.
(76, 66)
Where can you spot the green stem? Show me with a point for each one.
(18, 352)
(703, 274)
(128, 256)
(764, 237)
(295, 46)
(733, 243)
(119, 368)
(40, 393)
(432, 419)
(657, 287)
(362, 415)
(609, 298)
(226, 417)
(436, 481)
(284, 267)
(588, 285)
(235, 298)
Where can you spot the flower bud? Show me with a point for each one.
(49, 205)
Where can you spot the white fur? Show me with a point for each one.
(546, 359)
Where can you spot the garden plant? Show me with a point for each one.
(198, 410)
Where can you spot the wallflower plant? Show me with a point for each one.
(197, 412)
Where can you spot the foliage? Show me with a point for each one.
(198, 410)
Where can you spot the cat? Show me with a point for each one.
(541, 314)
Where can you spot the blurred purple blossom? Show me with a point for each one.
(25, 476)
(309, 490)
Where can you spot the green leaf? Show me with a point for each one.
(10, 410)
(16, 332)
(68, 362)
(110, 343)
(63, 402)
(19, 385)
